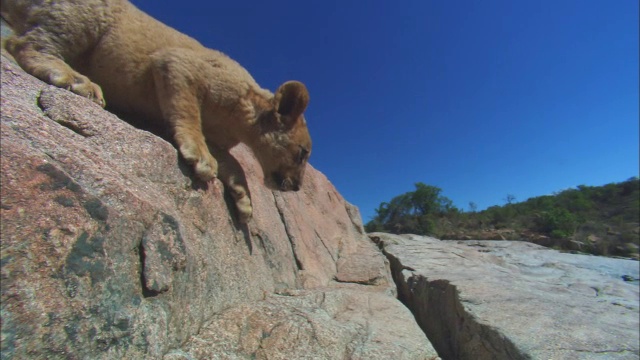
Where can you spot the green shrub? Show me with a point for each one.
(558, 223)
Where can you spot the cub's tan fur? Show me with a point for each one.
(109, 49)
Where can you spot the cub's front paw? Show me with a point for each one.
(206, 168)
(89, 90)
(204, 165)
(78, 84)
(245, 211)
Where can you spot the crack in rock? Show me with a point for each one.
(438, 309)
(51, 108)
(288, 231)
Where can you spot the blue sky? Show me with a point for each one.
(479, 98)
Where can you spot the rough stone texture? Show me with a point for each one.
(111, 250)
(328, 324)
(516, 300)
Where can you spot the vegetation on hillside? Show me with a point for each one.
(600, 220)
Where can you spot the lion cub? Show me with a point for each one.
(109, 49)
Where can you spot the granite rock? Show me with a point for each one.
(516, 300)
(111, 249)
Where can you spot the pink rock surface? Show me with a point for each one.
(111, 249)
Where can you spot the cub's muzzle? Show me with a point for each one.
(285, 183)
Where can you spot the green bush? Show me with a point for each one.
(558, 223)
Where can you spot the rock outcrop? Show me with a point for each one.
(516, 300)
(112, 250)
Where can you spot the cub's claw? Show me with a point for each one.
(89, 90)
(78, 84)
(204, 165)
(205, 170)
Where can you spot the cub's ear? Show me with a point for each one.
(291, 99)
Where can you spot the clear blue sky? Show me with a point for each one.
(479, 98)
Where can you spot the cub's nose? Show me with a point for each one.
(285, 183)
(289, 185)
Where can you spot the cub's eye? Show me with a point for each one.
(302, 155)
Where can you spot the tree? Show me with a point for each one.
(473, 207)
(510, 199)
(426, 199)
(412, 212)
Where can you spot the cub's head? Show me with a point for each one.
(284, 144)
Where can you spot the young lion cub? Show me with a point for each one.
(109, 49)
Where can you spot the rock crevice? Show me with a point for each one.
(290, 237)
(436, 306)
(515, 300)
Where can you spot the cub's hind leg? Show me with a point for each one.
(36, 52)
